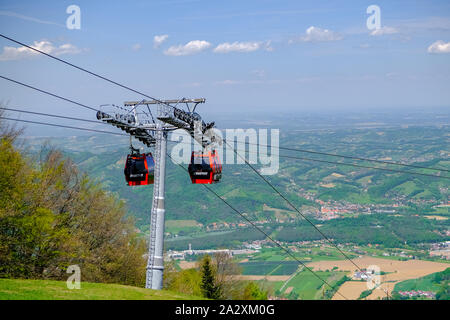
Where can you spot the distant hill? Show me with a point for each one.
(103, 156)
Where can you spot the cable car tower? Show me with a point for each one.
(136, 118)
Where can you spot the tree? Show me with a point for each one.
(184, 281)
(226, 271)
(52, 216)
(253, 292)
(444, 292)
(29, 234)
(209, 286)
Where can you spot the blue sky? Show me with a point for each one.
(248, 56)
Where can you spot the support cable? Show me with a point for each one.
(167, 104)
(83, 69)
(172, 141)
(263, 232)
(280, 148)
(296, 209)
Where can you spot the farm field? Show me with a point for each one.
(424, 283)
(320, 253)
(187, 264)
(397, 271)
(304, 285)
(351, 290)
(308, 287)
(436, 283)
(269, 267)
(260, 277)
(175, 226)
(436, 217)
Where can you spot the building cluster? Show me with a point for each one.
(443, 205)
(215, 226)
(181, 255)
(417, 293)
(337, 209)
(365, 274)
(328, 210)
(224, 225)
(361, 275)
(441, 249)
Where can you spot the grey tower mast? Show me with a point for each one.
(153, 132)
(155, 264)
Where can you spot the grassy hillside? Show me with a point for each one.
(18, 289)
(432, 282)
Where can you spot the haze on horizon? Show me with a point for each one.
(243, 57)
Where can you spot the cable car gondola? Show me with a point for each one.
(139, 169)
(205, 167)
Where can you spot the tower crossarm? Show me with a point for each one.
(127, 123)
(170, 112)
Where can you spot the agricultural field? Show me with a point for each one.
(275, 268)
(279, 271)
(269, 254)
(434, 283)
(182, 226)
(303, 253)
(396, 271)
(306, 286)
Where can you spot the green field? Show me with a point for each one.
(427, 283)
(188, 226)
(18, 289)
(309, 254)
(308, 286)
(275, 268)
(270, 254)
(444, 211)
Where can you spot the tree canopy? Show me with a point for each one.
(53, 216)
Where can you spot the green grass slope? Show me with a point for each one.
(432, 282)
(18, 289)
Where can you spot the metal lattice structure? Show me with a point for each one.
(137, 119)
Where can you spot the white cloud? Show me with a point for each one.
(192, 84)
(383, 30)
(159, 39)
(191, 47)
(13, 53)
(236, 46)
(259, 73)
(136, 47)
(228, 82)
(315, 34)
(392, 75)
(439, 47)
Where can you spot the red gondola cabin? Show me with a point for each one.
(139, 169)
(205, 168)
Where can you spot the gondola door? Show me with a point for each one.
(139, 169)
